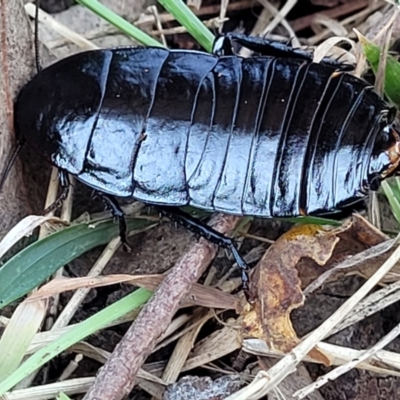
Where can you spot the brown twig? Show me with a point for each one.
(117, 378)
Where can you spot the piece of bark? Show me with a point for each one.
(16, 66)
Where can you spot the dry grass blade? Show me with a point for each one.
(61, 29)
(357, 259)
(222, 14)
(101, 356)
(375, 302)
(65, 215)
(172, 334)
(199, 295)
(22, 327)
(344, 9)
(291, 384)
(260, 27)
(361, 15)
(217, 345)
(301, 394)
(184, 346)
(387, 32)
(51, 197)
(23, 228)
(154, 11)
(50, 391)
(325, 48)
(78, 297)
(324, 21)
(176, 324)
(279, 17)
(383, 362)
(71, 368)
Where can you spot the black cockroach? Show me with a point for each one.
(273, 135)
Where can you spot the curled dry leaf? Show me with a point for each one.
(300, 256)
(354, 254)
(277, 283)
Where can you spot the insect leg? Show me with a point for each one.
(224, 45)
(116, 211)
(65, 184)
(196, 226)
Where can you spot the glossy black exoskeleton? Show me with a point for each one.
(273, 135)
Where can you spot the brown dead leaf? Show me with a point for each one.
(309, 253)
(362, 249)
(277, 283)
(365, 232)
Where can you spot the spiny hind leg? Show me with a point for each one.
(224, 45)
(65, 185)
(205, 231)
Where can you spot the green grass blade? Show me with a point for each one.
(392, 71)
(74, 335)
(391, 189)
(18, 335)
(312, 220)
(63, 396)
(119, 22)
(184, 15)
(34, 264)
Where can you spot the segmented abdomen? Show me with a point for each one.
(259, 136)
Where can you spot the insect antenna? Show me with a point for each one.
(10, 162)
(37, 55)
